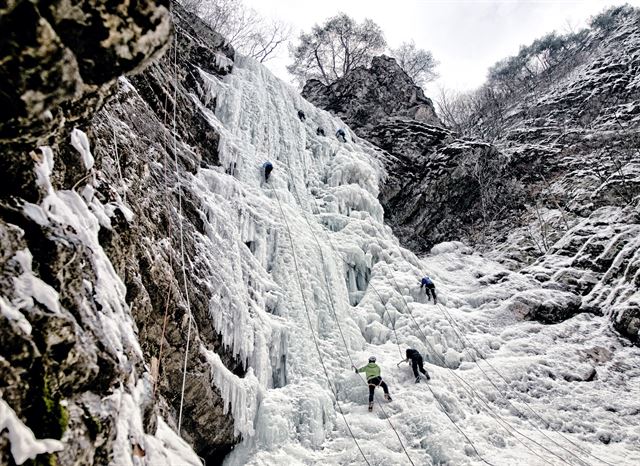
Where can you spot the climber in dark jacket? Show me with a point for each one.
(429, 287)
(372, 372)
(267, 167)
(320, 131)
(416, 363)
(341, 135)
(301, 115)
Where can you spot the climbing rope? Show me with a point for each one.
(506, 425)
(332, 305)
(165, 317)
(392, 322)
(444, 410)
(313, 334)
(443, 362)
(182, 256)
(115, 148)
(463, 339)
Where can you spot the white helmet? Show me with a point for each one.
(372, 359)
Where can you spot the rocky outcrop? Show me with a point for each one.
(433, 190)
(95, 297)
(598, 261)
(440, 188)
(59, 64)
(367, 95)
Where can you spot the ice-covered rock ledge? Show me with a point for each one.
(171, 236)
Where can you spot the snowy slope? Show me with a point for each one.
(319, 245)
(168, 259)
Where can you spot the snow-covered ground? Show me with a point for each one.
(327, 284)
(309, 280)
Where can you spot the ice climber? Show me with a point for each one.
(429, 287)
(320, 131)
(301, 115)
(341, 135)
(372, 372)
(267, 167)
(416, 363)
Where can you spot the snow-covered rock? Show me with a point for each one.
(170, 262)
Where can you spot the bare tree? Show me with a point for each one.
(450, 109)
(330, 51)
(459, 111)
(419, 64)
(250, 33)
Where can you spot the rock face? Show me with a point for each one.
(59, 64)
(143, 158)
(575, 148)
(557, 190)
(367, 95)
(435, 182)
(96, 286)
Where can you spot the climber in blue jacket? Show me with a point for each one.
(341, 135)
(267, 167)
(429, 287)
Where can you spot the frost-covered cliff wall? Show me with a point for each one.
(156, 241)
(75, 384)
(557, 185)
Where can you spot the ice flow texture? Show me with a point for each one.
(328, 189)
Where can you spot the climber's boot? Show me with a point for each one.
(370, 406)
(418, 379)
(387, 397)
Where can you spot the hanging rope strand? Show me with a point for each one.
(462, 339)
(165, 318)
(115, 148)
(181, 220)
(313, 334)
(296, 195)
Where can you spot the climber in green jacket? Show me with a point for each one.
(372, 372)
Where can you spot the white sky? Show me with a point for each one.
(465, 36)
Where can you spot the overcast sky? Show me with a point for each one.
(465, 36)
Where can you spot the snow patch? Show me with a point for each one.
(24, 445)
(80, 142)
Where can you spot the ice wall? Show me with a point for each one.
(312, 242)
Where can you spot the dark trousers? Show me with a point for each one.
(373, 383)
(417, 364)
(267, 172)
(430, 288)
